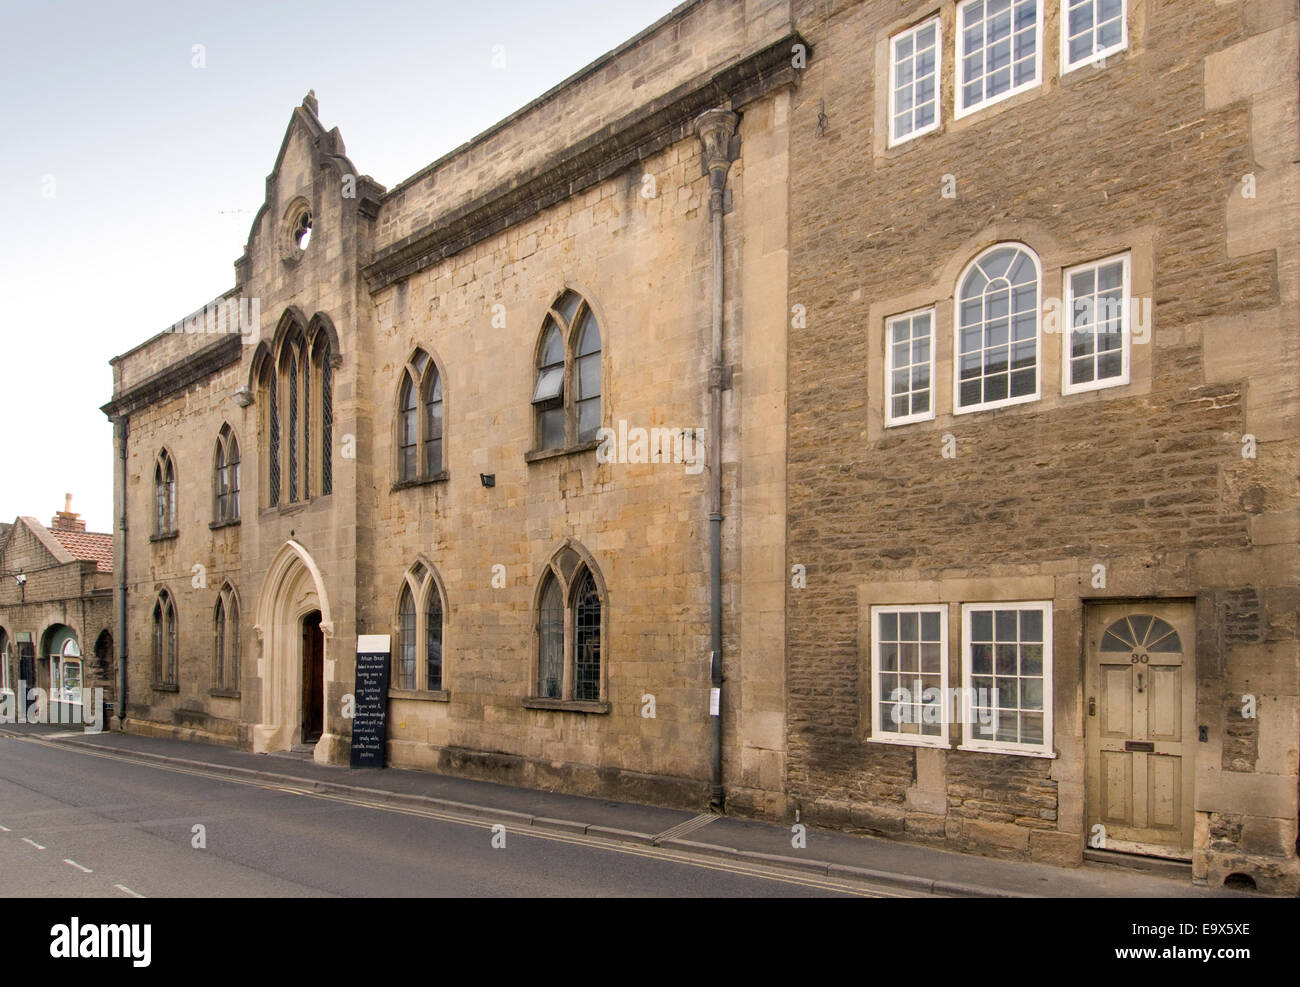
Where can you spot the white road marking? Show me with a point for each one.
(769, 873)
(73, 863)
(33, 843)
(5, 829)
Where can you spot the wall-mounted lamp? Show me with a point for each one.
(20, 578)
(488, 479)
(244, 396)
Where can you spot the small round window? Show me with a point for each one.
(302, 230)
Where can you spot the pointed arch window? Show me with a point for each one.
(225, 479)
(164, 641)
(291, 358)
(326, 415)
(418, 657)
(297, 385)
(271, 387)
(419, 432)
(567, 388)
(164, 485)
(571, 628)
(225, 621)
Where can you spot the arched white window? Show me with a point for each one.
(997, 329)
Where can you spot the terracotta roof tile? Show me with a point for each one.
(92, 546)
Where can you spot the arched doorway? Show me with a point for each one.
(313, 678)
(294, 670)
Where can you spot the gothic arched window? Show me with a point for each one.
(567, 388)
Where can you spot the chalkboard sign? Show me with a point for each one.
(370, 718)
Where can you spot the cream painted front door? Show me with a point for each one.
(1140, 695)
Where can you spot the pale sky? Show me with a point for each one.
(129, 178)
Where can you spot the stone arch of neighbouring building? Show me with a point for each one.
(292, 604)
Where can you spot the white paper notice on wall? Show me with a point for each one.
(715, 701)
(368, 644)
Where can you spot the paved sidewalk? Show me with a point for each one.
(830, 852)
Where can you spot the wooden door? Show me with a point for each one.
(1140, 696)
(313, 678)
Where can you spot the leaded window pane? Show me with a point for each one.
(433, 427)
(219, 620)
(327, 422)
(306, 424)
(293, 426)
(553, 349)
(233, 470)
(408, 430)
(551, 426)
(157, 642)
(586, 644)
(550, 658)
(171, 644)
(232, 639)
(406, 642)
(273, 445)
(433, 642)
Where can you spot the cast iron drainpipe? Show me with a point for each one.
(122, 429)
(717, 131)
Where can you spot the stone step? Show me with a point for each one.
(1178, 869)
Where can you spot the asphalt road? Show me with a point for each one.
(74, 823)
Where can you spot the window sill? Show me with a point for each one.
(222, 693)
(292, 508)
(165, 536)
(218, 525)
(425, 481)
(537, 455)
(990, 749)
(934, 742)
(161, 687)
(421, 695)
(567, 705)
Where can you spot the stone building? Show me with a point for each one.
(985, 303)
(56, 616)
(1043, 429)
(410, 440)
